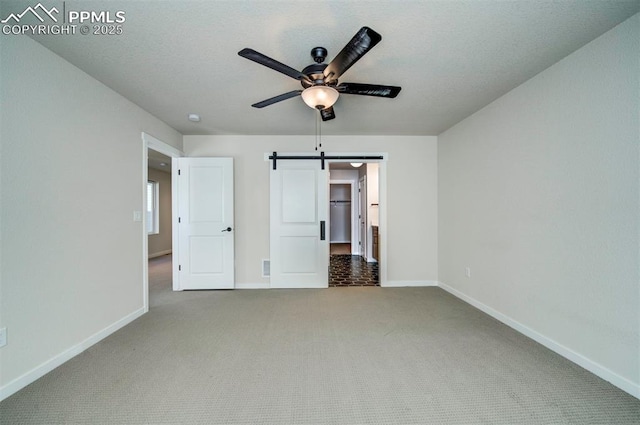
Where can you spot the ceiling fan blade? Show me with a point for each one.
(327, 114)
(277, 99)
(369, 89)
(361, 43)
(273, 64)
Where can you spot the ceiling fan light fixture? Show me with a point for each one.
(320, 97)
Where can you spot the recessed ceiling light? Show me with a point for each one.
(194, 117)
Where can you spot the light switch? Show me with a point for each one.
(137, 216)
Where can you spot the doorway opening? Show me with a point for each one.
(159, 223)
(299, 215)
(157, 245)
(353, 223)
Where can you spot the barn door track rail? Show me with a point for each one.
(322, 157)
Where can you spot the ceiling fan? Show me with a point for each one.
(320, 81)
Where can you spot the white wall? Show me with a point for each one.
(412, 214)
(71, 177)
(538, 195)
(160, 244)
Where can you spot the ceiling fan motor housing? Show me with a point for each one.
(315, 72)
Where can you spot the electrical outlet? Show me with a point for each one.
(467, 271)
(3, 337)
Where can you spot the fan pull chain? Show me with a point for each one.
(317, 130)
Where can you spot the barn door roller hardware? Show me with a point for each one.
(275, 157)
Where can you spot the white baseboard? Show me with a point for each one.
(46, 367)
(260, 285)
(160, 254)
(298, 286)
(404, 283)
(623, 383)
(389, 284)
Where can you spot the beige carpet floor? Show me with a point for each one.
(362, 355)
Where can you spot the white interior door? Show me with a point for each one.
(299, 248)
(205, 223)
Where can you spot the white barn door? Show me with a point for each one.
(205, 223)
(299, 248)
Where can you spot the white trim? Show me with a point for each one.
(297, 286)
(46, 367)
(160, 253)
(150, 142)
(260, 285)
(382, 220)
(160, 146)
(175, 235)
(362, 216)
(145, 235)
(623, 383)
(405, 283)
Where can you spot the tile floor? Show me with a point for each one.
(352, 270)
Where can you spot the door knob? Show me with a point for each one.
(228, 229)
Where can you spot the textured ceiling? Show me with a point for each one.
(450, 57)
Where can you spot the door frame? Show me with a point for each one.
(150, 142)
(362, 218)
(382, 198)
